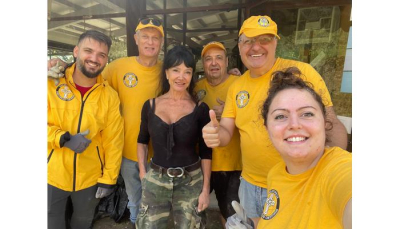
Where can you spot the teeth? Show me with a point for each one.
(256, 55)
(296, 139)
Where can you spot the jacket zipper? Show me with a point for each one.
(101, 163)
(51, 153)
(79, 129)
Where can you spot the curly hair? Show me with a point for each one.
(287, 79)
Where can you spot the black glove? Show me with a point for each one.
(78, 143)
(103, 192)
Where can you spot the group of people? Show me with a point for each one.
(174, 138)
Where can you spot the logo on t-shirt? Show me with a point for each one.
(271, 206)
(201, 94)
(242, 99)
(130, 79)
(64, 93)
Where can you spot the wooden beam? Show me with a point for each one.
(224, 7)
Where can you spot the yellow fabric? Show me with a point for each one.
(226, 158)
(313, 199)
(258, 25)
(101, 161)
(258, 153)
(135, 84)
(212, 44)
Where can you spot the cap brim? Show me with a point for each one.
(255, 32)
(205, 49)
(159, 28)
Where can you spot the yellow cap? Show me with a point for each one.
(258, 25)
(212, 44)
(150, 25)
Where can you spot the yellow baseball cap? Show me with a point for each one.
(258, 25)
(212, 44)
(152, 23)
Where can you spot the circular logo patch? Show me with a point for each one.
(64, 93)
(201, 94)
(271, 206)
(242, 99)
(130, 79)
(263, 22)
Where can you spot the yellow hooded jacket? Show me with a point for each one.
(97, 111)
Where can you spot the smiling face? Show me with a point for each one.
(215, 63)
(296, 127)
(179, 77)
(91, 57)
(149, 42)
(259, 55)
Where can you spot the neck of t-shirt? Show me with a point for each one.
(82, 90)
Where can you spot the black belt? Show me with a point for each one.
(177, 171)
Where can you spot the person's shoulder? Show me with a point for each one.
(121, 61)
(335, 159)
(290, 63)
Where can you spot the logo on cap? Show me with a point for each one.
(263, 22)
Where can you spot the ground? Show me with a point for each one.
(213, 221)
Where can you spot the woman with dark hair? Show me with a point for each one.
(178, 179)
(311, 187)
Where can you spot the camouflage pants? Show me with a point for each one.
(161, 194)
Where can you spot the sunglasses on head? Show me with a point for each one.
(152, 21)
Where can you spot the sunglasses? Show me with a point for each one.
(152, 21)
(263, 40)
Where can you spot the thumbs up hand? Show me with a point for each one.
(211, 131)
(219, 108)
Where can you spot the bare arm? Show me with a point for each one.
(347, 215)
(338, 134)
(204, 198)
(142, 151)
(216, 133)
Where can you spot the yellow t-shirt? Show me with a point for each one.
(227, 158)
(135, 84)
(313, 199)
(244, 102)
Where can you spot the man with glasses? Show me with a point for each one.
(136, 80)
(257, 43)
(226, 161)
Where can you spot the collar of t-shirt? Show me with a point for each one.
(81, 89)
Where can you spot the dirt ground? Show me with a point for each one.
(213, 221)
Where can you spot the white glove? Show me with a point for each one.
(103, 192)
(240, 219)
(55, 72)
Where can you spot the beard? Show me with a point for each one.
(81, 66)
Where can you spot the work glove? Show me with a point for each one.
(78, 143)
(103, 192)
(56, 72)
(240, 219)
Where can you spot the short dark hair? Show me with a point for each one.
(98, 36)
(176, 56)
(287, 79)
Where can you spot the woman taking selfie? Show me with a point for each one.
(311, 188)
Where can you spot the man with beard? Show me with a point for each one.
(84, 135)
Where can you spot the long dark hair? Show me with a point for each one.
(176, 56)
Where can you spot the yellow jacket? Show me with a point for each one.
(99, 111)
